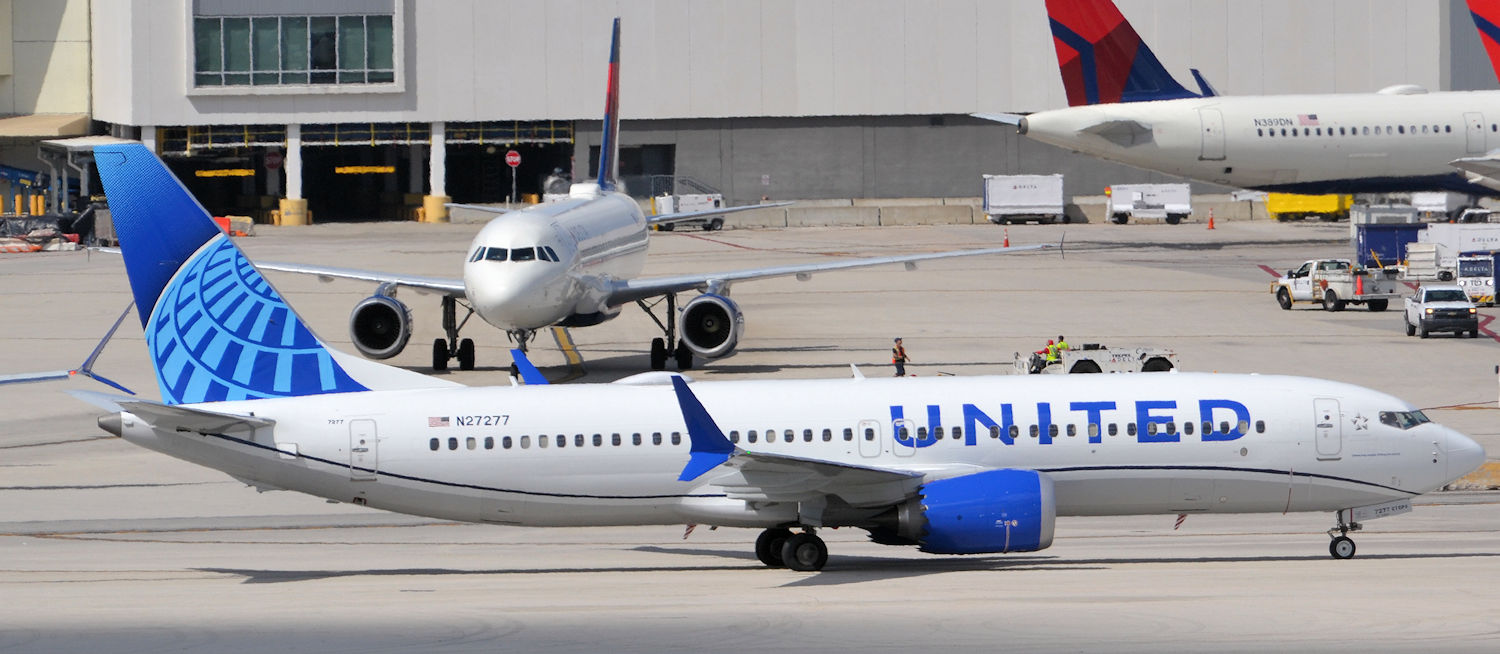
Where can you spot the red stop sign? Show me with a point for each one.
(513, 158)
(273, 160)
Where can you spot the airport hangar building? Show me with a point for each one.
(361, 109)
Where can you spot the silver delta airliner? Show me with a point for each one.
(951, 465)
(576, 263)
(1127, 108)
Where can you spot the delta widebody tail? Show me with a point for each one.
(952, 465)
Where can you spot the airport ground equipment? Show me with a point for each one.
(1439, 205)
(1379, 245)
(1020, 198)
(1093, 357)
(678, 193)
(1295, 206)
(1172, 203)
(1335, 283)
(1441, 308)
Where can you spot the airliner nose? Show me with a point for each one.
(519, 295)
(1464, 455)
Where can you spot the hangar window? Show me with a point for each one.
(293, 50)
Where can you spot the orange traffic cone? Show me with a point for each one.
(1210, 218)
(1007, 238)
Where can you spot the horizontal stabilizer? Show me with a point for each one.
(1124, 133)
(1008, 119)
(180, 418)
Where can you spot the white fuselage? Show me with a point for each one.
(1347, 142)
(552, 262)
(1114, 444)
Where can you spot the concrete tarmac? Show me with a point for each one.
(108, 547)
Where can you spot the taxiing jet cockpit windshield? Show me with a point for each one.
(538, 253)
(1403, 419)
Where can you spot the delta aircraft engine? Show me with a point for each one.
(379, 326)
(711, 325)
(988, 512)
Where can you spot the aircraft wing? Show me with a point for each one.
(454, 287)
(689, 215)
(1483, 170)
(630, 290)
(763, 477)
(1008, 119)
(479, 207)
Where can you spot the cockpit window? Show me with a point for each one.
(496, 254)
(1403, 419)
(523, 254)
(551, 254)
(478, 254)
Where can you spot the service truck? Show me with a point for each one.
(664, 204)
(1441, 308)
(1335, 283)
(1019, 198)
(1295, 206)
(1169, 202)
(1093, 357)
(1439, 205)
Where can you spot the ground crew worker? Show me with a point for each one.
(1053, 354)
(899, 358)
(1062, 344)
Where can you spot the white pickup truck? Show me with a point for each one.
(1441, 308)
(1335, 283)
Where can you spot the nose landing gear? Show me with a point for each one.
(446, 349)
(1342, 546)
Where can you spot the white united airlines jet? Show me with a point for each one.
(575, 263)
(952, 465)
(1127, 108)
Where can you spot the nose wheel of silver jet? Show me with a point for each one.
(450, 347)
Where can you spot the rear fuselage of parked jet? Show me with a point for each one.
(1400, 139)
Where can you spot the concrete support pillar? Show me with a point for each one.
(293, 206)
(148, 137)
(434, 209)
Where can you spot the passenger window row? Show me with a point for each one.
(827, 435)
(1365, 130)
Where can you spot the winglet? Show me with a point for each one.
(709, 448)
(529, 373)
(609, 143)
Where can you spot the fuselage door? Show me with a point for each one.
(1474, 126)
(868, 435)
(1329, 428)
(1212, 122)
(364, 452)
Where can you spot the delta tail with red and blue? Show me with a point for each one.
(1103, 60)
(609, 145)
(1486, 14)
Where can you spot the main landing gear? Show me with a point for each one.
(1342, 546)
(660, 349)
(444, 350)
(778, 547)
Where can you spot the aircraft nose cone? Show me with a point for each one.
(1464, 455)
(515, 299)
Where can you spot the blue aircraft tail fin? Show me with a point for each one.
(215, 328)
